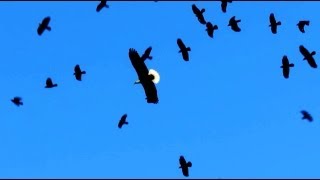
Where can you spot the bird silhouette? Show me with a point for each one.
(183, 49)
(146, 54)
(224, 4)
(49, 83)
(199, 14)
(102, 4)
(17, 101)
(286, 67)
(44, 25)
(308, 56)
(210, 29)
(234, 24)
(78, 73)
(184, 165)
(301, 25)
(273, 23)
(306, 116)
(122, 121)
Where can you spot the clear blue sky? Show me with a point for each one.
(228, 110)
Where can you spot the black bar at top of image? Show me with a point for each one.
(161, 0)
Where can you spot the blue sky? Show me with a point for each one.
(228, 110)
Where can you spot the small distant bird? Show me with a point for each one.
(224, 4)
(308, 56)
(49, 83)
(210, 29)
(273, 23)
(301, 25)
(78, 73)
(146, 54)
(234, 24)
(44, 25)
(199, 13)
(101, 5)
(183, 49)
(306, 116)
(17, 101)
(122, 121)
(286, 66)
(184, 166)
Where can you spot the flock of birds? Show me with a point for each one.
(146, 79)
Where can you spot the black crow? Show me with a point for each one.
(44, 25)
(234, 24)
(308, 56)
(301, 25)
(273, 23)
(144, 77)
(224, 4)
(210, 29)
(286, 66)
(306, 116)
(49, 83)
(199, 14)
(17, 101)
(101, 5)
(146, 54)
(78, 73)
(183, 49)
(184, 166)
(122, 121)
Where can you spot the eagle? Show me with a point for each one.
(301, 25)
(183, 49)
(199, 14)
(233, 23)
(308, 56)
(286, 66)
(184, 165)
(210, 29)
(306, 116)
(49, 83)
(17, 101)
(224, 4)
(44, 25)
(78, 73)
(102, 4)
(273, 23)
(122, 121)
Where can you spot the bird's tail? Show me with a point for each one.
(126, 122)
(307, 23)
(203, 10)
(279, 23)
(313, 53)
(107, 6)
(188, 49)
(55, 85)
(189, 164)
(83, 72)
(48, 28)
(215, 27)
(238, 20)
(150, 57)
(291, 65)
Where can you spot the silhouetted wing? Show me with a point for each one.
(304, 51)
(185, 171)
(224, 6)
(78, 76)
(46, 21)
(312, 62)
(195, 10)
(236, 28)
(306, 115)
(272, 19)
(49, 82)
(285, 67)
(77, 69)
(150, 90)
(123, 118)
(137, 63)
(285, 61)
(146, 53)
(180, 44)
(40, 29)
(274, 29)
(99, 7)
(182, 161)
(185, 55)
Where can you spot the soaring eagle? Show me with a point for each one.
(17, 101)
(145, 78)
(184, 165)
(233, 23)
(286, 66)
(44, 25)
(301, 25)
(308, 56)
(199, 13)
(273, 23)
(102, 4)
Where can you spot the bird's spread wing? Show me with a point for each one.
(185, 55)
(272, 19)
(150, 90)
(49, 81)
(185, 171)
(303, 50)
(180, 44)
(195, 10)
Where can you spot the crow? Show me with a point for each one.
(224, 4)
(234, 24)
(199, 14)
(44, 25)
(122, 121)
(17, 101)
(308, 56)
(183, 49)
(78, 73)
(273, 23)
(49, 83)
(101, 5)
(210, 29)
(301, 25)
(146, 54)
(184, 166)
(286, 66)
(306, 116)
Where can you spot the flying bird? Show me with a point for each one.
(224, 4)
(122, 121)
(301, 25)
(102, 4)
(49, 83)
(17, 101)
(199, 14)
(273, 23)
(286, 66)
(144, 78)
(146, 54)
(306, 116)
(308, 56)
(234, 24)
(183, 49)
(78, 73)
(184, 165)
(210, 29)
(44, 25)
